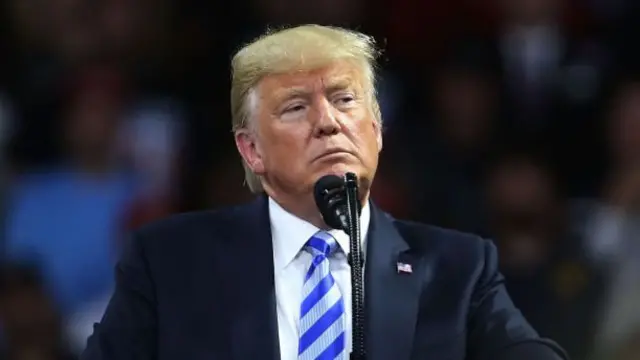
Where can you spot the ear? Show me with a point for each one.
(378, 130)
(376, 116)
(247, 145)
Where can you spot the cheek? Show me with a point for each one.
(286, 145)
(357, 121)
(367, 131)
(373, 139)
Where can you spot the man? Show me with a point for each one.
(269, 280)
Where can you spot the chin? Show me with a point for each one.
(341, 169)
(338, 168)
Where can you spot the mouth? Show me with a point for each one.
(334, 152)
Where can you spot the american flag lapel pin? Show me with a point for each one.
(404, 268)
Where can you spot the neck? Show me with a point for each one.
(304, 206)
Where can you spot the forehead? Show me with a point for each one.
(342, 75)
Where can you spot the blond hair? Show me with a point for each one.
(306, 47)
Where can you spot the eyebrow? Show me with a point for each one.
(333, 85)
(339, 85)
(292, 92)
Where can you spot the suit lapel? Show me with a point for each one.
(255, 325)
(391, 296)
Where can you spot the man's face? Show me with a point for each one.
(624, 136)
(524, 213)
(531, 12)
(310, 124)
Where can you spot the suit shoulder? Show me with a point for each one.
(464, 254)
(185, 226)
(428, 237)
(176, 223)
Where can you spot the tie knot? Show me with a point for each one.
(322, 243)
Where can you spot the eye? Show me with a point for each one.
(345, 99)
(294, 108)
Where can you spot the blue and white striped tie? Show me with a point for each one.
(322, 314)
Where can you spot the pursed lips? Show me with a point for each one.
(332, 152)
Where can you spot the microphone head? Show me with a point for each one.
(327, 183)
(329, 195)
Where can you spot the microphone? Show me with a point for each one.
(337, 200)
(330, 196)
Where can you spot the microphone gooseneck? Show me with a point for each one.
(338, 202)
(356, 261)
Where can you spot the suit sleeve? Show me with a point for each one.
(128, 327)
(497, 329)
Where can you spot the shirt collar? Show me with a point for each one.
(290, 233)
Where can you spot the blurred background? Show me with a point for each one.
(515, 119)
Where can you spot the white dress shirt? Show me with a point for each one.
(289, 234)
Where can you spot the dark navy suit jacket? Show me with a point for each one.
(200, 286)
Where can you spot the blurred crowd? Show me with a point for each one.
(518, 120)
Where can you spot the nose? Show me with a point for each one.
(326, 122)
